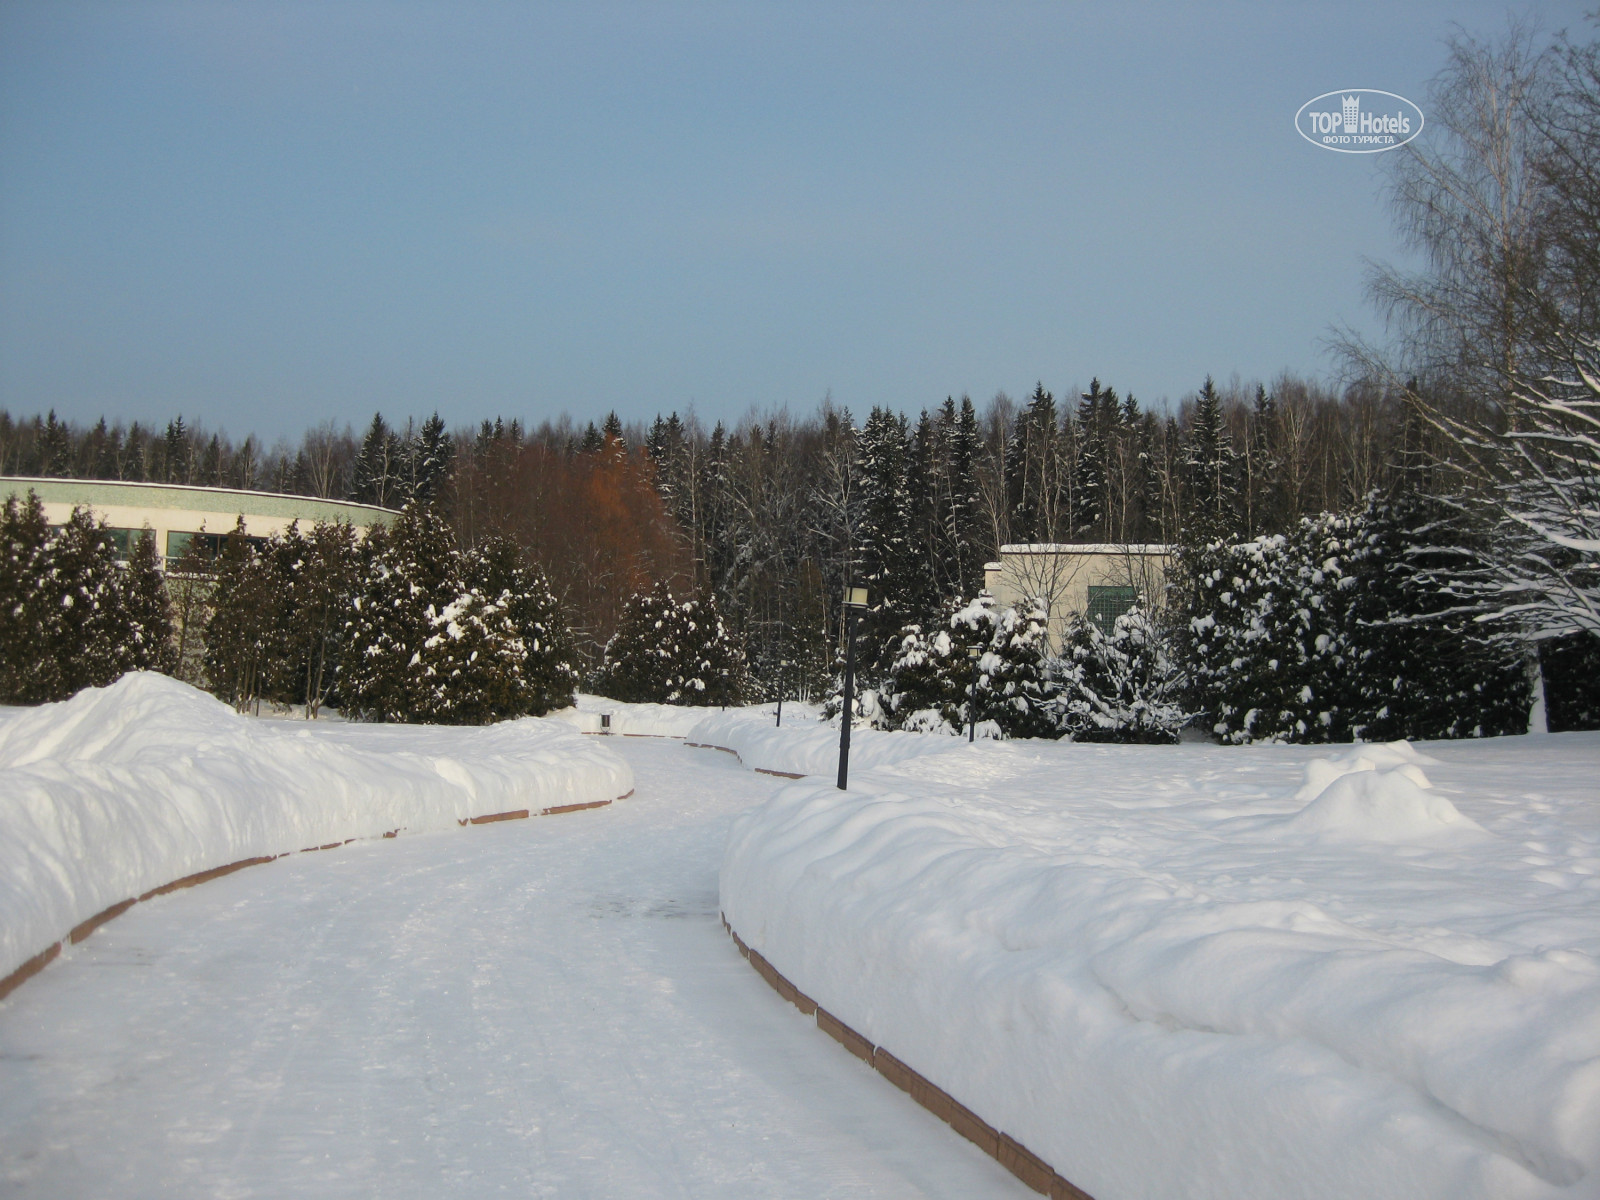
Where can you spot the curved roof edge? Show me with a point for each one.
(188, 496)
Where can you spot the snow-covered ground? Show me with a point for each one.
(124, 789)
(1200, 971)
(535, 1009)
(1186, 971)
(803, 745)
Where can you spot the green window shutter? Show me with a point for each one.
(1106, 604)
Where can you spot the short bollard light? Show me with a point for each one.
(855, 599)
(975, 653)
(605, 722)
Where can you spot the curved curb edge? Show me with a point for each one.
(1002, 1147)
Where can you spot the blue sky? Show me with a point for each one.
(263, 216)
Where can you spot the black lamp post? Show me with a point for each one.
(783, 674)
(975, 653)
(855, 599)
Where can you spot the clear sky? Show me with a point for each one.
(266, 215)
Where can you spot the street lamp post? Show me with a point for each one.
(855, 599)
(975, 653)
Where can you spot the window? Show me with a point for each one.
(1106, 604)
(207, 546)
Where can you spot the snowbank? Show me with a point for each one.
(805, 746)
(123, 789)
(1216, 972)
(635, 720)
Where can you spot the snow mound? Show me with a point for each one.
(636, 720)
(122, 789)
(1381, 806)
(1397, 756)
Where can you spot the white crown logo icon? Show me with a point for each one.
(1352, 112)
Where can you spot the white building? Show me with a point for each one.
(1099, 579)
(184, 517)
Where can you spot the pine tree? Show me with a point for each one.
(29, 672)
(245, 635)
(147, 611)
(375, 476)
(1211, 510)
(1015, 688)
(1431, 672)
(1121, 686)
(432, 456)
(500, 572)
(1034, 473)
(1274, 652)
(467, 670)
(644, 654)
(883, 547)
(408, 584)
(932, 676)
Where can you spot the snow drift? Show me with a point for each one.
(1170, 972)
(805, 746)
(123, 789)
(633, 720)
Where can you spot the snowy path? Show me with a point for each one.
(539, 1008)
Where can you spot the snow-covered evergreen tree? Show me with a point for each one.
(667, 651)
(932, 675)
(500, 571)
(1273, 652)
(1122, 686)
(147, 611)
(1430, 671)
(883, 540)
(468, 670)
(409, 583)
(1014, 684)
(29, 673)
(245, 637)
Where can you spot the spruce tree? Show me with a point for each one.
(147, 611)
(410, 581)
(29, 672)
(1121, 685)
(1211, 511)
(89, 630)
(884, 550)
(500, 571)
(1015, 688)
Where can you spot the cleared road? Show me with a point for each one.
(533, 1008)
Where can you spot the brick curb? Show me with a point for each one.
(1002, 1147)
(84, 928)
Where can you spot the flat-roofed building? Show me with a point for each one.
(183, 517)
(1099, 579)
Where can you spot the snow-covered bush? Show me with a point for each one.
(1125, 686)
(670, 651)
(1272, 654)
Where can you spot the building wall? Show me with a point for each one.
(173, 511)
(1064, 574)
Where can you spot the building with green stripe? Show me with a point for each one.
(183, 517)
